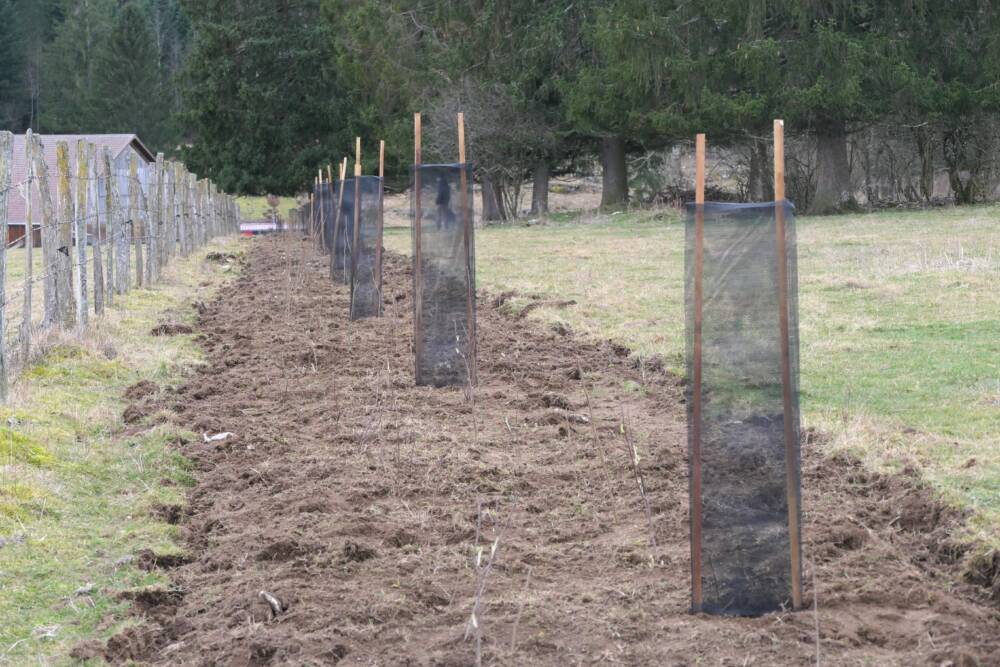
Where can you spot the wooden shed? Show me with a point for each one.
(122, 147)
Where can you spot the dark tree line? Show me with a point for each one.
(83, 66)
(265, 92)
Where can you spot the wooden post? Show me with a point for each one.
(192, 211)
(695, 453)
(98, 219)
(356, 232)
(470, 302)
(180, 193)
(791, 446)
(321, 213)
(30, 150)
(6, 170)
(138, 221)
(336, 219)
(155, 200)
(65, 303)
(112, 224)
(418, 305)
(128, 229)
(380, 227)
(49, 231)
(80, 233)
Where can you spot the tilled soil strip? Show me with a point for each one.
(362, 504)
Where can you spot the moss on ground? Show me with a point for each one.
(77, 494)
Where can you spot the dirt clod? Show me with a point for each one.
(171, 329)
(141, 390)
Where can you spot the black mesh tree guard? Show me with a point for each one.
(366, 256)
(343, 233)
(743, 411)
(328, 204)
(444, 274)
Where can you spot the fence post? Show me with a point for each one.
(111, 225)
(158, 235)
(80, 265)
(138, 226)
(30, 142)
(6, 167)
(183, 219)
(166, 211)
(98, 250)
(193, 208)
(49, 232)
(154, 201)
(65, 303)
(124, 252)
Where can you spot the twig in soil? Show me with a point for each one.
(815, 607)
(604, 459)
(473, 626)
(626, 432)
(482, 574)
(272, 602)
(470, 389)
(517, 618)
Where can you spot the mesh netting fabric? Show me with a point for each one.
(328, 204)
(366, 266)
(747, 469)
(444, 274)
(343, 233)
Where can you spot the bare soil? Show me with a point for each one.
(360, 502)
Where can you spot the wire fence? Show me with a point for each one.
(103, 228)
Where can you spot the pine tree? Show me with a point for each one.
(261, 94)
(127, 91)
(69, 65)
(11, 68)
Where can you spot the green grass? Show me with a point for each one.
(256, 208)
(900, 324)
(75, 490)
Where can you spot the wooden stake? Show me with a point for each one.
(470, 298)
(6, 172)
(65, 303)
(696, 372)
(30, 142)
(379, 225)
(98, 219)
(342, 168)
(80, 233)
(791, 446)
(356, 231)
(418, 305)
(138, 228)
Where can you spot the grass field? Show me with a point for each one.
(256, 208)
(900, 324)
(76, 493)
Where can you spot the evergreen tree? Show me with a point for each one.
(11, 68)
(261, 95)
(127, 90)
(69, 101)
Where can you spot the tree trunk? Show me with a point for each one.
(922, 137)
(540, 189)
(833, 172)
(963, 181)
(614, 192)
(759, 187)
(491, 201)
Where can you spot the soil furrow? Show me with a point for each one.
(360, 502)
